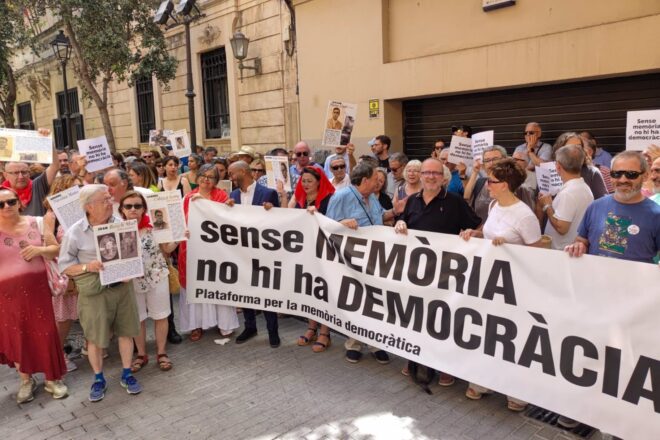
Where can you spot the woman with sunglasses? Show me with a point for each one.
(195, 318)
(509, 221)
(160, 169)
(152, 293)
(29, 340)
(194, 162)
(258, 170)
(313, 192)
(173, 181)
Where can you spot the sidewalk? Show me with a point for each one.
(252, 391)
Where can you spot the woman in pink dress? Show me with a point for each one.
(29, 340)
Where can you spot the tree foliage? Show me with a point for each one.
(113, 41)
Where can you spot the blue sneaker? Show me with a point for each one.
(98, 391)
(131, 384)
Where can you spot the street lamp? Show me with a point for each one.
(190, 13)
(62, 50)
(239, 45)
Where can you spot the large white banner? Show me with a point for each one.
(576, 336)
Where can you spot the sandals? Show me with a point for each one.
(515, 407)
(196, 334)
(164, 362)
(320, 347)
(139, 363)
(309, 336)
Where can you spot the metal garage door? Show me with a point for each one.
(598, 106)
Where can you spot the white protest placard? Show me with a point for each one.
(339, 123)
(642, 129)
(277, 170)
(118, 247)
(548, 179)
(460, 150)
(481, 141)
(25, 146)
(97, 152)
(560, 335)
(180, 143)
(66, 206)
(165, 209)
(159, 138)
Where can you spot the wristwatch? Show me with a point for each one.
(84, 268)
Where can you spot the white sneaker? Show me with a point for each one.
(26, 391)
(56, 388)
(70, 365)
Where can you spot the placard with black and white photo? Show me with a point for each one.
(118, 248)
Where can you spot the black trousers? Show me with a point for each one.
(251, 320)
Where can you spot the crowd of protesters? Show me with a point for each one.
(608, 206)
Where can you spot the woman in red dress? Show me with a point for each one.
(29, 339)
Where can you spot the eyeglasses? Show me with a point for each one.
(493, 182)
(10, 202)
(432, 173)
(204, 176)
(159, 165)
(492, 159)
(338, 167)
(439, 148)
(135, 206)
(529, 133)
(394, 170)
(257, 170)
(17, 173)
(630, 175)
(302, 153)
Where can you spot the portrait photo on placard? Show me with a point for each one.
(159, 219)
(129, 245)
(108, 247)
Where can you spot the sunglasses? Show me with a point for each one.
(10, 202)
(493, 182)
(302, 153)
(135, 206)
(257, 170)
(529, 133)
(630, 175)
(338, 167)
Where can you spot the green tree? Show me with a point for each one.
(11, 37)
(113, 41)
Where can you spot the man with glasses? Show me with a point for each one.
(118, 184)
(395, 177)
(149, 158)
(303, 159)
(31, 192)
(340, 177)
(341, 151)
(623, 225)
(537, 151)
(104, 311)
(437, 148)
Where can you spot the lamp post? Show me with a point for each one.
(184, 9)
(62, 50)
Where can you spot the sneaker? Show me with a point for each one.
(57, 389)
(567, 423)
(70, 365)
(131, 384)
(353, 356)
(98, 391)
(26, 391)
(381, 357)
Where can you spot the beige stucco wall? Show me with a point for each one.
(398, 49)
(263, 108)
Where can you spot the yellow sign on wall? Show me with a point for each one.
(374, 108)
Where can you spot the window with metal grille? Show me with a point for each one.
(25, 116)
(144, 88)
(59, 124)
(216, 94)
